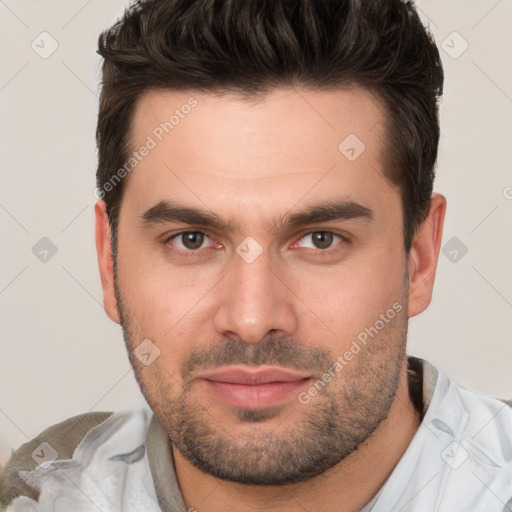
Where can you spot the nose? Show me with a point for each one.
(255, 302)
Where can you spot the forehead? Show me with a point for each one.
(211, 147)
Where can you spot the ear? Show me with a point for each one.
(422, 259)
(105, 261)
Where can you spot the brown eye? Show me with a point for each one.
(322, 239)
(192, 240)
(188, 241)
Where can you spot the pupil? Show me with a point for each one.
(322, 239)
(195, 239)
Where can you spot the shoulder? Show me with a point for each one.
(505, 401)
(57, 442)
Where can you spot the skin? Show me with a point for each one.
(252, 163)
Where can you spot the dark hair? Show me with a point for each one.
(253, 46)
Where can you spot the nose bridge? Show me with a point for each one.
(255, 281)
(254, 300)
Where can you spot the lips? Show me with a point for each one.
(257, 388)
(260, 375)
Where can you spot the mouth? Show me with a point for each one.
(253, 388)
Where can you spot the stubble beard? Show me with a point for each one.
(325, 431)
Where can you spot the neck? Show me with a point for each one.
(346, 487)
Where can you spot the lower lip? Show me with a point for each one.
(258, 396)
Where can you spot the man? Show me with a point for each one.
(265, 229)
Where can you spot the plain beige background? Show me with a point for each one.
(61, 355)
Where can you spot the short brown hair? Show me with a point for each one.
(253, 46)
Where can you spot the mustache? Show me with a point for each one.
(271, 351)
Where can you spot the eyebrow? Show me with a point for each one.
(166, 211)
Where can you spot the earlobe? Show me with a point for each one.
(423, 257)
(105, 261)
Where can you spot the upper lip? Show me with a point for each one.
(253, 376)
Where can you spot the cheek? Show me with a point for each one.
(157, 293)
(167, 306)
(346, 300)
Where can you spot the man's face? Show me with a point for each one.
(248, 314)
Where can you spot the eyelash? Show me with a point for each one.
(343, 240)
